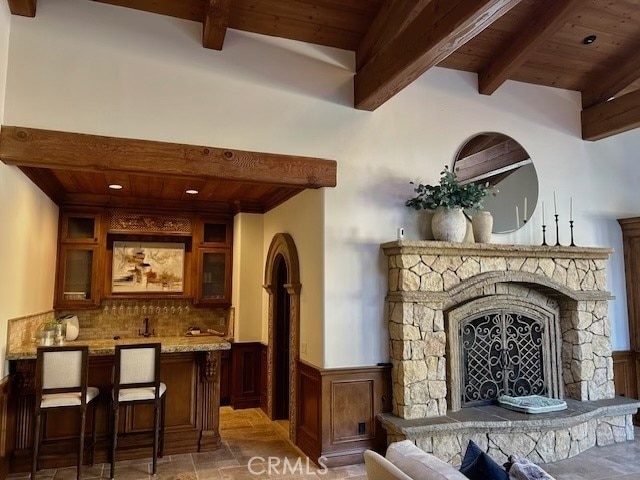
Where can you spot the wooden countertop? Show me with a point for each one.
(203, 343)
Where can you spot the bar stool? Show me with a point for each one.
(61, 383)
(137, 380)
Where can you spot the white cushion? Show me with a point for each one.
(142, 393)
(420, 465)
(51, 400)
(379, 468)
(137, 365)
(62, 369)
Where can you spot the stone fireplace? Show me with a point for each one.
(470, 322)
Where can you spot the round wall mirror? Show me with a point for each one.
(500, 161)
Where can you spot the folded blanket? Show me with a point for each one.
(523, 469)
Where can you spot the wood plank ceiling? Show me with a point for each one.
(545, 42)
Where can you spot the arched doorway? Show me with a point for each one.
(282, 282)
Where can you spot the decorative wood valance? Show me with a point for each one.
(125, 222)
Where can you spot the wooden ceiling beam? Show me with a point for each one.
(610, 118)
(551, 16)
(214, 26)
(436, 32)
(24, 8)
(31, 147)
(612, 81)
(393, 17)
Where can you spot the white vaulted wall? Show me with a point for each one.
(90, 67)
(28, 229)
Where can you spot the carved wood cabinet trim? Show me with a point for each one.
(119, 221)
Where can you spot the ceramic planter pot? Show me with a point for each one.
(482, 223)
(449, 224)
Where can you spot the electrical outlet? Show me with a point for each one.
(361, 428)
(303, 347)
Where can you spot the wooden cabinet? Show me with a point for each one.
(80, 227)
(85, 253)
(213, 258)
(80, 250)
(631, 245)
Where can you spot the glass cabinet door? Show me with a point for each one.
(76, 286)
(80, 228)
(214, 276)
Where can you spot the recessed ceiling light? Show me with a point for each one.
(115, 186)
(589, 39)
(191, 191)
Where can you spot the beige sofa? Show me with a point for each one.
(405, 461)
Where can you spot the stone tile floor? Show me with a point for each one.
(249, 433)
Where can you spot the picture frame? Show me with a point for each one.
(147, 267)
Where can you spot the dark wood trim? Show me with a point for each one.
(333, 403)
(434, 34)
(626, 363)
(246, 371)
(264, 390)
(624, 373)
(7, 422)
(309, 411)
(550, 17)
(32, 147)
(24, 8)
(610, 118)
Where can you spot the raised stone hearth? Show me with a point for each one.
(468, 322)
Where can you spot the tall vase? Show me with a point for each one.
(482, 223)
(449, 224)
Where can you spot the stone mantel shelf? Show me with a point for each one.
(107, 347)
(419, 247)
(498, 419)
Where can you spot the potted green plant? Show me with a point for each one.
(448, 199)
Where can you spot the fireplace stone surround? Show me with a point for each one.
(434, 286)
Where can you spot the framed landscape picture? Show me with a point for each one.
(147, 267)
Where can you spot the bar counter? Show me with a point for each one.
(196, 343)
(190, 367)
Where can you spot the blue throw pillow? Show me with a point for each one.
(477, 465)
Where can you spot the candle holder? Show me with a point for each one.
(557, 234)
(544, 235)
(571, 227)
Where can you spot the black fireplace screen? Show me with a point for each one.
(502, 354)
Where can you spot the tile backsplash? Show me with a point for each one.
(22, 330)
(125, 318)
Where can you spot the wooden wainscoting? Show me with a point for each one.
(624, 373)
(337, 411)
(246, 374)
(6, 423)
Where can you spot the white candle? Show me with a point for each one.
(525, 209)
(555, 205)
(517, 218)
(570, 208)
(543, 219)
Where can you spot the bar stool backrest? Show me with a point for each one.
(61, 370)
(137, 366)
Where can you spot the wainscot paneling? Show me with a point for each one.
(246, 374)
(624, 377)
(338, 409)
(6, 430)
